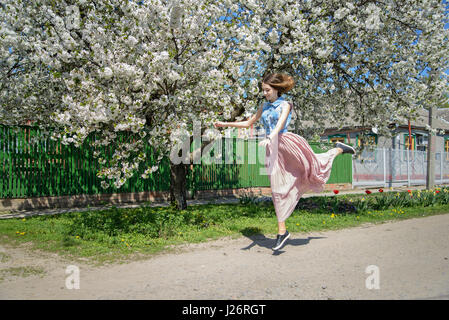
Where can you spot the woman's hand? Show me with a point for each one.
(219, 124)
(264, 143)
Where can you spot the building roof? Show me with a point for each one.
(423, 120)
(440, 121)
(443, 114)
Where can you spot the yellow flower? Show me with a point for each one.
(358, 217)
(332, 215)
(24, 219)
(77, 237)
(297, 224)
(22, 233)
(324, 222)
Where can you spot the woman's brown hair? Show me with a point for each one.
(279, 81)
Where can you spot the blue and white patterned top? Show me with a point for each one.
(271, 113)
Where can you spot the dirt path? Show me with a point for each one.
(410, 258)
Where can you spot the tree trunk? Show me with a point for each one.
(178, 192)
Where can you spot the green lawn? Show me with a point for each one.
(115, 234)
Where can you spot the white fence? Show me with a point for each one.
(393, 167)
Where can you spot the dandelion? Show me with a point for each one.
(332, 215)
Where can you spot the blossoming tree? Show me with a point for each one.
(365, 59)
(151, 68)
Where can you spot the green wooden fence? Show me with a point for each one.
(50, 168)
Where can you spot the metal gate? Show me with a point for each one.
(395, 167)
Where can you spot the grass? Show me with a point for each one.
(22, 271)
(116, 234)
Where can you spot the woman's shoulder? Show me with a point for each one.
(286, 103)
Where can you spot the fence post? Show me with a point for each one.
(385, 166)
(441, 167)
(408, 167)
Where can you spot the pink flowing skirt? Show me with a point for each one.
(294, 169)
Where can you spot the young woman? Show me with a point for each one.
(292, 166)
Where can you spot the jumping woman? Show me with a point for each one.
(292, 166)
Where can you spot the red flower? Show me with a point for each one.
(336, 191)
(437, 191)
(409, 191)
(381, 190)
(368, 192)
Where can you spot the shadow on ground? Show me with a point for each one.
(261, 240)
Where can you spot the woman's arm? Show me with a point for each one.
(240, 124)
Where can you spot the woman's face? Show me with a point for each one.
(270, 93)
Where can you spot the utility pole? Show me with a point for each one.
(430, 180)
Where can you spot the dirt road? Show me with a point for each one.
(395, 260)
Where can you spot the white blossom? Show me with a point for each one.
(148, 69)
